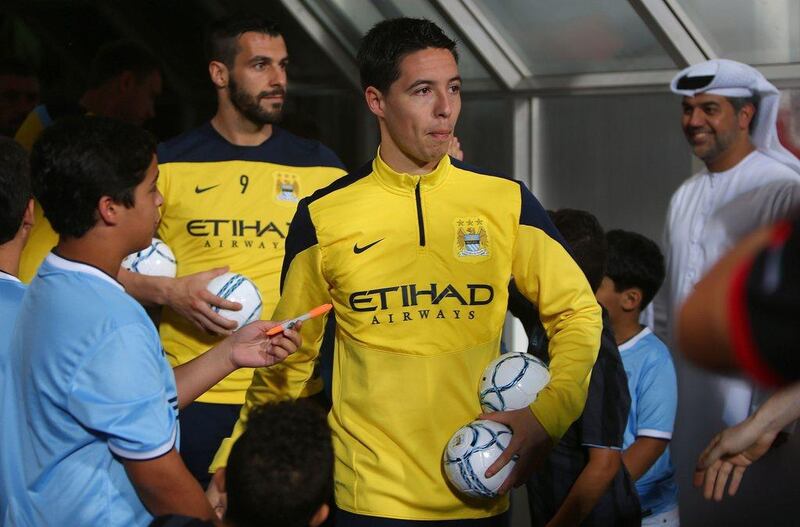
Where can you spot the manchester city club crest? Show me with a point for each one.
(287, 188)
(472, 238)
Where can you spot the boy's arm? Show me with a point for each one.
(186, 295)
(303, 288)
(121, 394)
(247, 348)
(641, 455)
(601, 430)
(166, 486)
(657, 396)
(590, 486)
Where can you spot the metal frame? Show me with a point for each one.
(325, 39)
(594, 83)
(673, 29)
(666, 19)
(782, 75)
(487, 42)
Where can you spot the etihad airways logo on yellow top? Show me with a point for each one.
(419, 302)
(237, 234)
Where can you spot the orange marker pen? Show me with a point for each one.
(289, 324)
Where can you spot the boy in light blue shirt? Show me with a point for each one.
(635, 272)
(90, 404)
(16, 220)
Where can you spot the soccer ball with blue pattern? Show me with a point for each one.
(472, 450)
(156, 260)
(237, 288)
(512, 381)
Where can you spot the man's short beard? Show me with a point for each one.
(722, 142)
(249, 105)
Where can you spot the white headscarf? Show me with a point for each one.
(734, 79)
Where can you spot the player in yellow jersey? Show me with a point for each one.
(124, 80)
(415, 251)
(231, 188)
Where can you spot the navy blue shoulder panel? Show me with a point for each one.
(301, 236)
(302, 233)
(466, 166)
(205, 144)
(533, 214)
(342, 182)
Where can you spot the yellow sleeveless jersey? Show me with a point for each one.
(417, 269)
(42, 237)
(229, 205)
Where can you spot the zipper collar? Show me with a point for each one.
(404, 182)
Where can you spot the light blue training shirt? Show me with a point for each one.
(87, 385)
(654, 401)
(11, 291)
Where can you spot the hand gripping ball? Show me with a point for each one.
(472, 450)
(237, 288)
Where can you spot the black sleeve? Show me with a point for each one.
(605, 415)
(528, 315)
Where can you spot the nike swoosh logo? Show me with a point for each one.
(199, 190)
(359, 250)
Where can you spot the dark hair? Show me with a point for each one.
(388, 42)
(223, 35)
(118, 56)
(79, 160)
(14, 66)
(585, 237)
(280, 471)
(739, 102)
(15, 187)
(635, 261)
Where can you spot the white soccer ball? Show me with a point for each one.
(472, 450)
(237, 288)
(156, 260)
(512, 381)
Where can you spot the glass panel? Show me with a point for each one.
(751, 31)
(360, 15)
(468, 64)
(576, 36)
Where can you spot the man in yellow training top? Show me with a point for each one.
(231, 187)
(415, 251)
